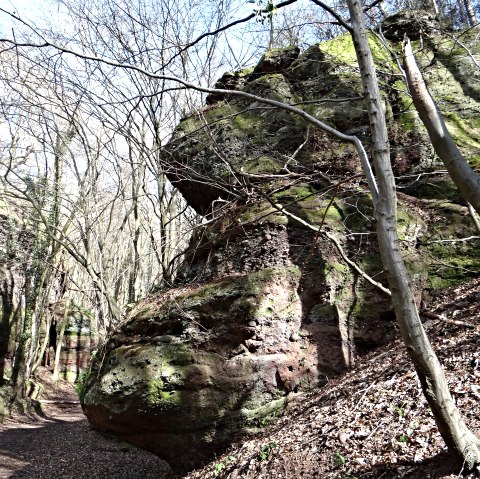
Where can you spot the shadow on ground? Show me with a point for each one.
(67, 447)
(438, 466)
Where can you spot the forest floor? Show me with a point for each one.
(58, 443)
(372, 422)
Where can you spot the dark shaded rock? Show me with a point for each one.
(229, 81)
(276, 60)
(413, 23)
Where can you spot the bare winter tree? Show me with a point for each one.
(462, 443)
(470, 12)
(56, 182)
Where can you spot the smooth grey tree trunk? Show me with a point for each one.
(461, 442)
(58, 349)
(472, 17)
(462, 174)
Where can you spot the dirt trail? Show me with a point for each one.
(60, 444)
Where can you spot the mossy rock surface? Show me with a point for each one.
(265, 305)
(207, 363)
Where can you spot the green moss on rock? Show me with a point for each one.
(263, 415)
(341, 50)
(450, 261)
(263, 211)
(158, 397)
(273, 86)
(262, 165)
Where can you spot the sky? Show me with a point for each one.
(44, 12)
(35, 10)
(27, 9)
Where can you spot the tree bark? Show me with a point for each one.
(7, 312)
(43, 347)
(462, 174)
(461, 442)
(434, 6)
(58, 349)
(20, 371)
(472, 18)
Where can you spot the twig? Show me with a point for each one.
(363, 395)
(54, 401)
(337, 244)
(469, 53)
(475, 218)
(380, 424)
(441, 317)
(355, 266)
(457, 240)
(328, 100)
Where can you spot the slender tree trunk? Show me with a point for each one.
(434, 6)
(19, 370)
(58, 349)
(474, 216)
(272, 33)
(46, 277)
(461, 442)
(43, 347)
(138, 178)
(462, 174)
(7, 311)
(472, 18)
(463, 14)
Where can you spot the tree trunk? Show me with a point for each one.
(462, 174)
(461, 442)
(20, 367)
(58, 349)
(434, 6)
(472, 18)
(7, 311)
(43, 347)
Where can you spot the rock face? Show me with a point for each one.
(266, 307)
(245, 350)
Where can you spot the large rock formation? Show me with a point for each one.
(268, 307)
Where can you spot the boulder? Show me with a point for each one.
(265, 307)
(189, 372)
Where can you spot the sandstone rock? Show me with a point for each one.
(276, 60)
(413, 23)
(265, 307)
(218, 377)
